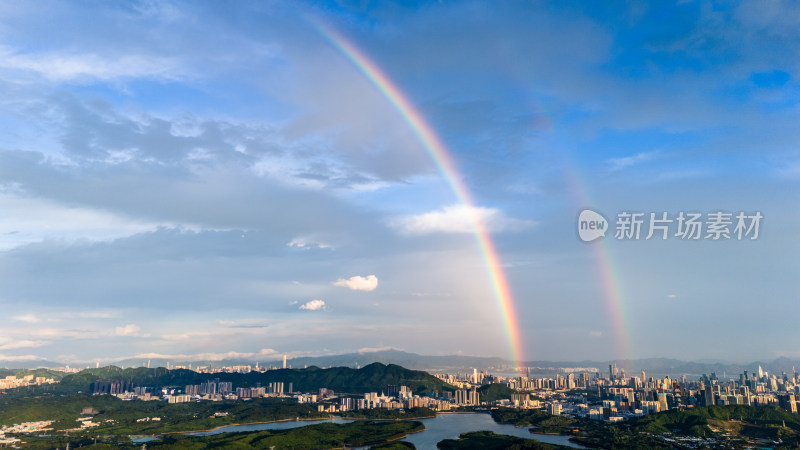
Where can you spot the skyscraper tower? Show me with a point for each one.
(284, 361)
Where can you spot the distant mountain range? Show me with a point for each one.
(656, 367)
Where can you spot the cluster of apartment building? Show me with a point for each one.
(21, 428)
(12, 381)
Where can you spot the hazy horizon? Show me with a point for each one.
(216, 359)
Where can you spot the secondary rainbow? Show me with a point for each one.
(608, 272)
(443, 159)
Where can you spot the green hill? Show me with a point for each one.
(65, 409)
(495, 391)
(19, 373)
(487, 440)
(374, 377)
(735, 426)
(750, 421)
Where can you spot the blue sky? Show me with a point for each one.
(204, 180)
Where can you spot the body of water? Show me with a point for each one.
(443, 426)
(285, 425)
(450, 426)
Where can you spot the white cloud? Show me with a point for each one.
(672, 296)
(65, 67)
(376, 349)
(307, 243)
(28, 318)
(459, 219)
(92, 315)
(313, 305)
(11, 345)
(263, 353)
(19, 357)
(244, 323)
(62, 315)
(127, 330)
(30, 220)
(185, 336)
(358, 283)
(629, 161)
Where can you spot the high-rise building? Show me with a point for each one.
(788, 403)
(467, 397)
(662, 401)
(611, 370)
(474, 397)
(284, 361)
(708, 396)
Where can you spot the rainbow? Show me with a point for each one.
(615, 298)
(613, 291)
(443, 159)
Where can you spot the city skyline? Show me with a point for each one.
(190, 180)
